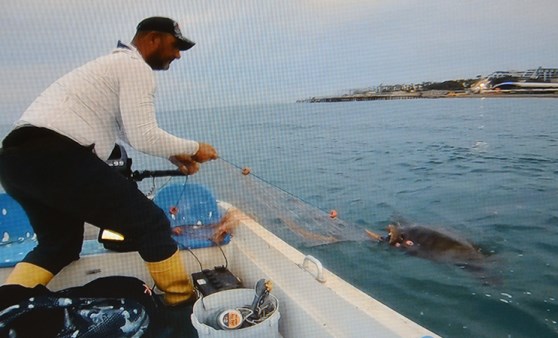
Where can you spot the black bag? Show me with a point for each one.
(106, 307)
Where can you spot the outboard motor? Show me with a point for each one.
(120, 161)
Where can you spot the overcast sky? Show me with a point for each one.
(278, 51)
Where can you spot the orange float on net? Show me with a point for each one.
(246, 171)
(333, 214)
(177, 231)
(173, 210)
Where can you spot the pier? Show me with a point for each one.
(397, 95)
(373, 97)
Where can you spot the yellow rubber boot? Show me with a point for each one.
(28, 275)
(170, 277)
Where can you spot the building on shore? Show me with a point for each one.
(538, 80)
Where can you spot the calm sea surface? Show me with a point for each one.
(484, 169)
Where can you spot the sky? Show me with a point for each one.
(263, 51)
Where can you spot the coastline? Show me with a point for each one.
(432, 94)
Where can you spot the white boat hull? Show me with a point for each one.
(308, 307)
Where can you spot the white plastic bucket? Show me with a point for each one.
(206, 308)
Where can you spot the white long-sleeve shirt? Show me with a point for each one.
(106, 99)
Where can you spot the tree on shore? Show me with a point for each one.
(450, 85)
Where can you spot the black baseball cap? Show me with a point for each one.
(165, 25)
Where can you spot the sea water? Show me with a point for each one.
(485, 169)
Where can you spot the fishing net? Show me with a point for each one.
(286, 215)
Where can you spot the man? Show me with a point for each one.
(53, 161)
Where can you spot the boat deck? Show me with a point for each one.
(312, 300)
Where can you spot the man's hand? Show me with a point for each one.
(205, 153)
(190, 164)
(185, 164)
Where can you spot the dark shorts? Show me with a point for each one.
(61, 184)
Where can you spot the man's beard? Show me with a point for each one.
(157, 63)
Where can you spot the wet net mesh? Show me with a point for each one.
(287, 216)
